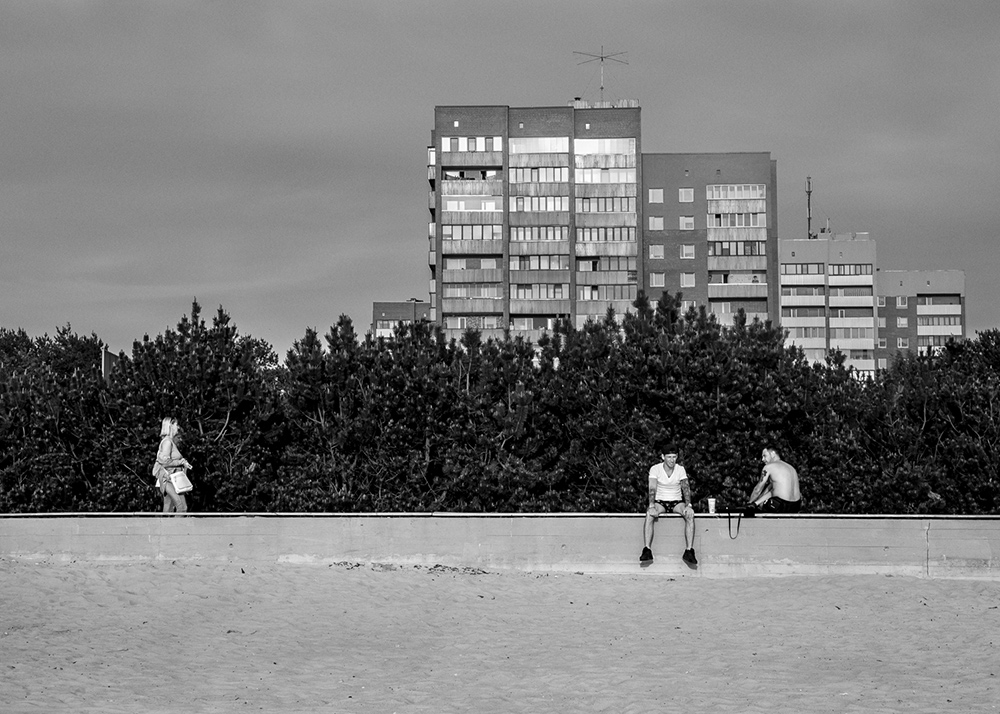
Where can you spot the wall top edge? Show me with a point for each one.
(442, 514)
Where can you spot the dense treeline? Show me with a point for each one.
(420, 423)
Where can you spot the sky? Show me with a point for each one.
(270, 157)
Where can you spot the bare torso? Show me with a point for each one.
(784, 480)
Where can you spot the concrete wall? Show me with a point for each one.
(937, 547)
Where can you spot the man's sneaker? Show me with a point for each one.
(647, 554)
(688, 557)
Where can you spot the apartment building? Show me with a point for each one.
(541, 213)
(828, 302)
(710, 231)
(387, 315)
(918, 311)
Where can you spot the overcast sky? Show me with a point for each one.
(270, 157)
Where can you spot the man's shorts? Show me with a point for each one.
(779, 505)
(669, 505)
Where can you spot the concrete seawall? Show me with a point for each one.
(921, 546)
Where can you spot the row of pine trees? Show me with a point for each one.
(418, 422)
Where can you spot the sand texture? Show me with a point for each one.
(183, 637)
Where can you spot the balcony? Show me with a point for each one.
(484, 159)
(472, 247)
(719, 291)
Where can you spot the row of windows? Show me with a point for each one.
(933, 340)
(477, 232)
(542, 174)
(659, 280)
(939, 300)
(745, 278)
(539, 262)
(526, 233)
(807, 333)
(539, 145)
(605, 235)
(532, 322)
(534, 204)
(901, 301)
(686, 252)
(493, 291)
(735, 191)
(472, 203)
(804, 290)
(606, 292)
(685, 223)
(747, 247)
(860, 354)
(850, 268)
(471, 322)
(902, 343)
(802, 268)
(470, 263)
(471, 143)
(469, 174)
(803, 312)
(684, 195)
(605, 146)
(606, 263)
(605, 175)
(852, 333)
(540, 291)
(851, 291)
(609, 204)
(930, 320)
(737, 220)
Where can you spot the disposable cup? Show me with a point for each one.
(711, 505)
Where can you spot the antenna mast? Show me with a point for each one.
(809, 210)
(613, 56)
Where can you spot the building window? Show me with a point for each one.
(539, 262)
(903, 343)
(685, 195)
(802, 269)
(737, 220)
(882, 363)
(901, 301)
(902, 322)
(656, 223)
(737, 247)
(687, 305)
(687, 223)
(602, 235)
(657, 280)
(882, 343)
(605, 263)
(881, 300)
(539, 145)
(687, 280)
(656, 252)
(656, 195)
(850, 269)
(737, 191)
(687, 252)
(881, 323)
(606, 204)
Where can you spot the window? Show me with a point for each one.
(743, 247)
(882, 363)
(903, 343)
(737, 220)
(656, 252)
(539, 291)
(881, 323)
(902, 322)
(882, 343)
(881, 300)
(687, 252)
(539, 204)
(606, 263)
(470, 263)
(901, 301)
(542, 174)
(687, 223)
(802, 269)
(687, 280)
(539, 145)
(528, 233)
(604, 175)
(539, 262)
(472, 322)
(471, 232)
(609, 234)
(687, 305)
(605, 146)
(606, 204)
(656, 223)
(657, 280)
(656, 195)
(685, 195)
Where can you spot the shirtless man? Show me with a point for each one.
(669, 491)
(778, 488)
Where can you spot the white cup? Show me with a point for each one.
(711, 505)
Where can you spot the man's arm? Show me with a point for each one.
(652, 490)
(686, 492)
(765, 478)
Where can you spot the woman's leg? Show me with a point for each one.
(173, 501)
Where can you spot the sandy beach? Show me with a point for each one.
(184, 637)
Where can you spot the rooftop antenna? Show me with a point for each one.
(809, 210)
(613, 56)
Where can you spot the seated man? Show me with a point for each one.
(669, 491)
(778, 488)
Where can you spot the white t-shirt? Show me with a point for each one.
(668, 488)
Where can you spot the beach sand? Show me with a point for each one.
(180, 637)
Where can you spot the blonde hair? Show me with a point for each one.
(168, 427)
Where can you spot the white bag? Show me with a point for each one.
(181, 482)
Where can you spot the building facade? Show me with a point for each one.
(710, 231)
(828, 296)
(387, 315)
(542, 213)
(918, 311)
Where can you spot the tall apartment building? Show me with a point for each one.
(538, 213)
(828, 296)
(918, 310)
(710, 231)
(386, 315)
